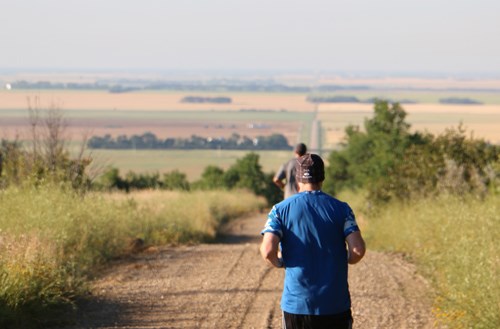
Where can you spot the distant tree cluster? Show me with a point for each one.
(129, 85)
(22, 84)
(150, 141)
(333, 99)
(199, 99)
(351, 99)
(459, 101)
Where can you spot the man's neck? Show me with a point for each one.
(303, 187)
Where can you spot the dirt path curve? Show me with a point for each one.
(227, 285)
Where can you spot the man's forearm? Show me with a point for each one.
(269, 250)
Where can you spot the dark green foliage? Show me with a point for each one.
(175, 180)
(142, 181)
(212, 178)
(369, 155)
(246, 173)
(450, 163)
(111, 179)
(149, 141)
(390, 162)
(272, 192)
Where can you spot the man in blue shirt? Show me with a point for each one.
(313, 228)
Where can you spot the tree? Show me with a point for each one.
(390, 162)
(247, 173)
(175, 180)
(211, 178)
(368, 156)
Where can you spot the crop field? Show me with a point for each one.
(190, 162)
(482, 121)
(96, 113)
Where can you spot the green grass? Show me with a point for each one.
(190, 162)
(454, 242)
(52, 238)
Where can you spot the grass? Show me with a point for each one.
(190, 162)
(51, 239)
(454, 241)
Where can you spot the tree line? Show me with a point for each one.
(149, 140)
(384, 158)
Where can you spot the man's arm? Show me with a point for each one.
(279, 177)
(356, 247)
(269, 249)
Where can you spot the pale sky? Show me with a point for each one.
(456, 36)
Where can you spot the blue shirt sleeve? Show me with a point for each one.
(350, 224)
(273, 224)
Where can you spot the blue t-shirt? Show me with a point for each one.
(312, 227)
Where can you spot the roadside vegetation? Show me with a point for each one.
(52, 238)
(433, 198)
(454, 242)
(58, 226)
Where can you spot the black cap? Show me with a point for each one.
(309, 168)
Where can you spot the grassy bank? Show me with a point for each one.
(454, 241)
(51, 239)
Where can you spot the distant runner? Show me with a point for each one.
(285, 177)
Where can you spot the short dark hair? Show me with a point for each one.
(300, 149)
(309, 168)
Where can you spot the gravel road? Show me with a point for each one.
(228, 285)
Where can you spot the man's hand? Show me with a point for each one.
(279, 183)
(356, 247)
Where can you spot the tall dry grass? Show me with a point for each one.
(51, 238)
(454, 241)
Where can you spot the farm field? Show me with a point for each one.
(97, 113)
(483, 121)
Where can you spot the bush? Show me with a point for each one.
(450, 163)
(389, 162)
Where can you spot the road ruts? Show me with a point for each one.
(227, 285)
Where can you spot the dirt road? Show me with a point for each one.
(227, 285)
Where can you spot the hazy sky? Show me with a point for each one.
(460, 36)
